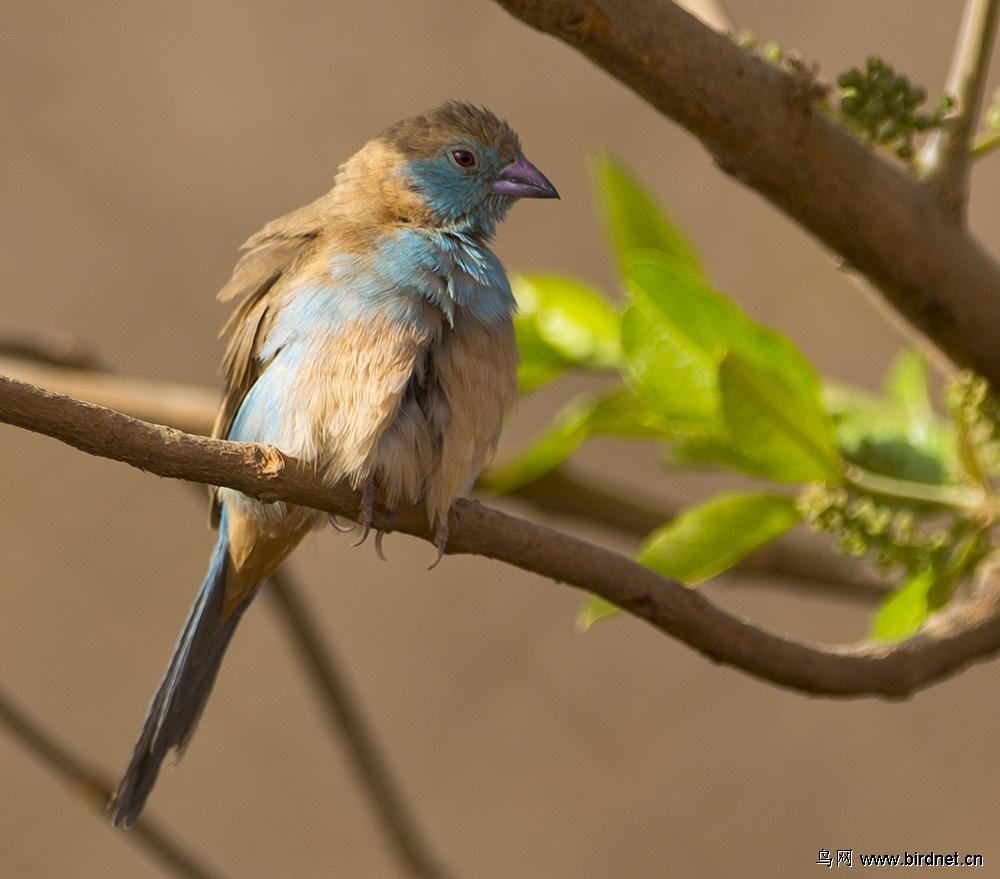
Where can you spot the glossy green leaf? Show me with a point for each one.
(711, 537)
(619, 412)
(905, 608)
(675, 333)
(670, 343)
(779, 429)
(712, 449)
(561, 323)
(634, 217)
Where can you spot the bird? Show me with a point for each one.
(372, 337)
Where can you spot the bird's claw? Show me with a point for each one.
(367, 510)
(337, 524)
(441, 539)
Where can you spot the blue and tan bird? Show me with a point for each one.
(373, 338)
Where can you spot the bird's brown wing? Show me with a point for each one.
(272, 254)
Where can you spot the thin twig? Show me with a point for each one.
(95, 788)
(346, 718)
(945, 159)
(966, 631)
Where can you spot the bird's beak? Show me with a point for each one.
(521, 179)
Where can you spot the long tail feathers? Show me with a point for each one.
(181, 696)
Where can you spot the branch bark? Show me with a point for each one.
(968, 630)
(761, 126)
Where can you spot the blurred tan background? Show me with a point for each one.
(140, 144)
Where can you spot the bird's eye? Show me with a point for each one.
(464, 158)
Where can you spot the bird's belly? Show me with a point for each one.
(449, 419)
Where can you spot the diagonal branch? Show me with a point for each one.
(345, 716)
(761, 126)
(968, 630)
(95, 788)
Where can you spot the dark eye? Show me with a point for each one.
(464, 158)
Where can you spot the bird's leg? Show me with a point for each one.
(367, 510)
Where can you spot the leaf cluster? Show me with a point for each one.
(884, 474)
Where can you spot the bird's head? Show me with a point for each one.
(465, 166)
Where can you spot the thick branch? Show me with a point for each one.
(967, 631)
(760, 125)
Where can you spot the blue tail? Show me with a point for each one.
(181, 696)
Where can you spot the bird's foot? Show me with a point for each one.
(367, 511)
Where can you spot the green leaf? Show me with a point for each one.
(881, 434)
(891, 455)
(924, 591)
(670, 342)
(677, 330)
(619, 412)
(778, 428)
(593, 610)
(905, 608)
(705, 540)
(714, 449)
(711, 537)
(560, 324)
(539, 363)
(906, 382)
(634, 217)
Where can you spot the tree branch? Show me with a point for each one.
(761, 126)
(95, 788)
(968, 630)
(342, 710)
(945, 159)
(192, 410)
